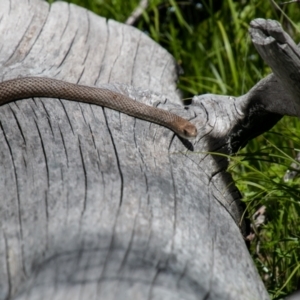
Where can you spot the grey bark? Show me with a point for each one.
(95, 204)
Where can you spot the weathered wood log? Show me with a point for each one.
(95, 204)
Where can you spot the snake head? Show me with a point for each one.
(188, 131)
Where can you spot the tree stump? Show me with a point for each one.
(98, 205)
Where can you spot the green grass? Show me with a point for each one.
(258, 171)
(218, 57)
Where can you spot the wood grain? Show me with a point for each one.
(99, 205)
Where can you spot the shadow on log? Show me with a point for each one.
(98, 205)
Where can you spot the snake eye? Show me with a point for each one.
(185, 133)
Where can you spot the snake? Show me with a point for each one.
(29, 87)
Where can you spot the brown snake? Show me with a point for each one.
(27, 87)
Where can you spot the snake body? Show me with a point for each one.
(27, 87)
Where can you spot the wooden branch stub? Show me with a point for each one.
(281, 53)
